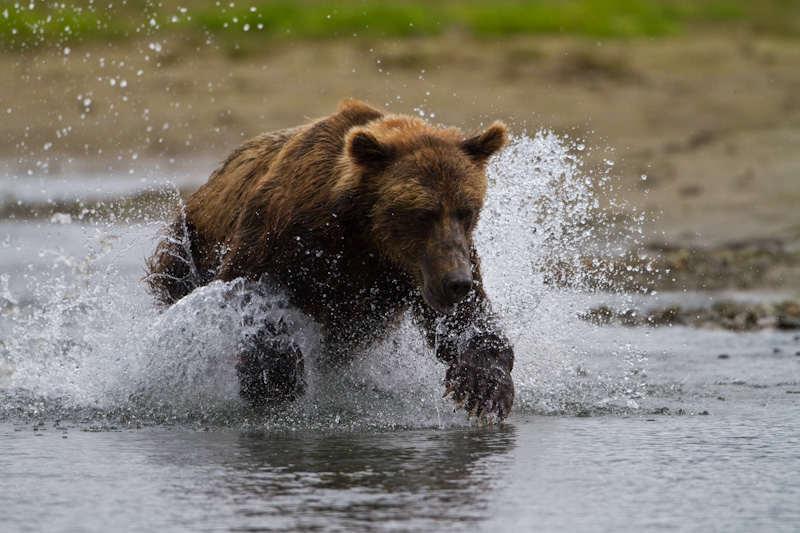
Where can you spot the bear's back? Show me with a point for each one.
(279, 166)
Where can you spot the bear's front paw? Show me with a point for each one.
(481, 379)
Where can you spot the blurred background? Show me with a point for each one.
(695, 103)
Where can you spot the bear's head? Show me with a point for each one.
(421, 189)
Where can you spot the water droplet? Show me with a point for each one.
(61, 218)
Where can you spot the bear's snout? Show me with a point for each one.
(443, 293)
(446, 268)
(456, 285)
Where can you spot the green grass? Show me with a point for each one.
(34, 22)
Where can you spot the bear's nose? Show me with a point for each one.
(456, 286)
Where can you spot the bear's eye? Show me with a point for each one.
(465, 215)
(424, 217)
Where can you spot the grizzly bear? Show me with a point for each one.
(357, 217)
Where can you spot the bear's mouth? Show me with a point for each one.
(436, 304)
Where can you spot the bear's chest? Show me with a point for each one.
(351, 291)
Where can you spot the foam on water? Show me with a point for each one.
(90, 346)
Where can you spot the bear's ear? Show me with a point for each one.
(481, 147)
(367, 151)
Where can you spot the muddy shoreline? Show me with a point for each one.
(703, 130)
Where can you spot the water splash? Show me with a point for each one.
(546, 243)
(88, 344)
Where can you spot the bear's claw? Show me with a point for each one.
(462, 402)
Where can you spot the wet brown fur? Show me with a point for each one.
(351, 215)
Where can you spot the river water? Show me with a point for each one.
(114, 416)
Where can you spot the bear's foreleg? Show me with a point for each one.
(270, 367)
(479, 357)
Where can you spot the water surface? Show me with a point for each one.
(732, 472)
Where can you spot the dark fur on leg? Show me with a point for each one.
(271, 367)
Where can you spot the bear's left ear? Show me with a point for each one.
(481, 147)
(367, 151)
